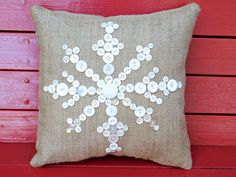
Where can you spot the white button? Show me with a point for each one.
(113, 138)
(150, 45)
(66, 59)
(108, 58)
(68, 51)
(147, 94)
(125, 128)
(108, 46)
(113, 146)
(146, 80)
(106, 133)
(82, 117)
(89, 72)
(162, 86)
(159, 101)
(139, 120)
(127, 70)
(55, 96)
(69, 120)
(78, 129)
(151, 75)
(51, 88)
(108, 69)
(115, 26)
(75, 83)
(120, 46)
(100, 43)
(101, 98)
(100, 129)
(106, 126)
(113, 129)
(71, 102)
(62, 89)
(121, 95)
(129, 88)
(122, 88)
(166, 92)
(55, 82)
(89, 111)
(149, 111)
(103, 25)
(108, 150)
(112, 120)
(108, 79)
(95, 77)
(100, 52)
(68, 130)
(64, 73)
(81, 66)
(141, 56)
(119, 125)
(100, 83)
(72, 90)
(156, 127)
(153, 98)
(111, 111)
(99, 91)
(108, 102)
(64, 46)
(122, 76)
(115, 102)
(140, 111)
(95, 103)
(152, 87)
(139, 48)
(110, 90)
(148, 57)
(172, 85)
(117, 82)
(76, 50)
(109, 29)
(155, 69)
(147, 118)
(95, 47)
(120, 133)
(108, 37)
(65, 105)
(77, 121)
(115, 51)
(140, 88)
(180, 85)
(91, 90)
(76, 97)
(70, 78)
(132, 106)
(165, 78)
(82, 90)
(114, 41)
(146, 50)
(134, 64)
(126, 101)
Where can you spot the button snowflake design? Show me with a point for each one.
(110, 91)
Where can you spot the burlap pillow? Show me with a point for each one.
(113, 86)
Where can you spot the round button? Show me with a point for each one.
(55, 96)
(106, 133)
(70, 78)
(95, 47)
(69, 120)
(121, 95)
(77, 121)
(115, 102)
(82, 117)
(165, 78)
(140, 111)
(149, 110)
(51, 88)
(100, 129)
(89, 111)
(156, 127)
(112, 120)
(108, 79)
(147, 94)
(127, 70)
(75, 83)
(100, 43)
(113, 138)
(152, 87)
(111, 111)
(159, 101)
(134, 64)
(113, 146)
(108, 69)
(95, 103)
(122, 88)
(120, 132)
(117, 82)
(76, 50)
(148, 57)
(147, 118)
(120, 46)
(62, 89)
(155, 69)
(81, 66)
(172, 85)
(95, 77)
(64, 73)
(146, 80)
(110, 90)
(109, 29)
(129, 88)
(108, 58)
(100, 83)
(119, 125)
(139, 120)
(89, 72)
(166, 92)
(153, 98)
(114, 41)
(103, 25)
(91, 90)
(71, 102)
(180, 85)
(115, 51)
(140, 88)
(65, 105)
(150, 45)
(132, 106)
(151, 75)
(101, 98)
(64, 46)
(126, 101)
(141, 56)
(66, 59)
(76, 97)
(115, 26)
(146, 50)
(139, 48)
(122, 76)
(108, 37)
(108, 102)
(108, 46)
(100, 52)
(82, 90)
(78, 129)
(68, 51)
(162, 86)
(105, 126)
(72, 90)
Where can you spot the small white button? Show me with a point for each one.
(81, 66)
(151, 75)
(148, 57)
(82, 90)
(106, 133)
(108, 79)
(125, 128)
(78, 129)
(147, 118)
(140, 111)
(66, 59)
(132, 106)
(146, 50)
(122, 88)
(134, 64)
(77, 121)
(108, 47)
(55, 96)
(95, 77)
(100, 129)
(121, 96)
(108, 69)
(114, 41)
(150, 45)
(126, 101)
(155, 70)
(91, 90)
(120, 46)
(101, 98)
(103, 25)
(70, 78)
(113, 138)
(149, 111)
(165, 78)
(82, 117)
(108, 102)
(100, 43)
(89, 72)
(51, 88)
(122, 76)
(146, 80)
(108, 58)
(139, 120)
(117, 82)
(127, 70)
(108, 37)
(69, 120)
(64, 46)
(156, 127)
(71, 102)
(172, 85)
(139, 48)
(75, 83)
(153, 98)
(166, 92)
(64, 73)
(115, 26)
(68, 51)
(180, 85)
(162, 86)
(68, 130)
(159, 101)
(152, 87)
(113, 146)
(119, 125)
(115, 102)
(100, 83)
(55, 82)
(109, 29)
(95, 47)
(72, 90)
(99, 91)
(76, 97)
(65, 105)
(110, 90)
(111, 111)
(95, 103)
(105, 126)
(140, 88)
(120, 133)
(112, 120)
(129, 88)
(62, 89)
(89, 111)
(141, 56)
(76, 50)
(100, 52)
(147, 94)
(115, 51)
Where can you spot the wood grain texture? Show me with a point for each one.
(19, 51)
(20, 126)
(19, 90)
(213, 19)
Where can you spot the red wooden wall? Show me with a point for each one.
(210, 94)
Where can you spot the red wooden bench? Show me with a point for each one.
(210, 93)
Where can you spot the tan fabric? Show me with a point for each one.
(170, 32)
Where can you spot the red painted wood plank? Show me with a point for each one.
(204, 157)
(20, 126)
(19, 51)
(19, 90)
(213, 20)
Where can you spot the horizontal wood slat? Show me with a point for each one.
(214, 19)
(20, 126)
(19, 90)
(206, 56)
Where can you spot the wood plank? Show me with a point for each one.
(204, 157)
(19, 90)
(20, 126)
(213, 20)
(217, 56)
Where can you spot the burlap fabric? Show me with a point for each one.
(170, 31)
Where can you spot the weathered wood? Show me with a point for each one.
(19, 51)
(213, 20)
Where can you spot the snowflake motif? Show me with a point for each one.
(110, 91)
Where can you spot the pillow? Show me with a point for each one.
(113, 85)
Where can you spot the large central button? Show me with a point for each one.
(110, 90)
